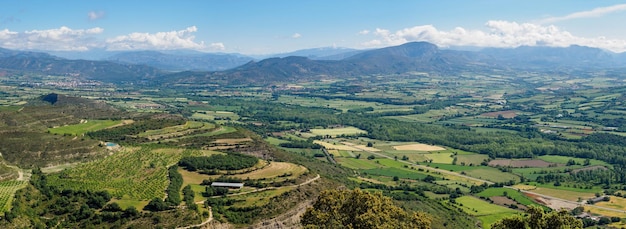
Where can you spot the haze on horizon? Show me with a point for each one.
(278, 26)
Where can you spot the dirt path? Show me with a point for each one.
(558, 203)
(208, 220)
(273, 188)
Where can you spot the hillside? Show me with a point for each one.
(26, 142)
(181, 62)
(402, 59)
(42, 63)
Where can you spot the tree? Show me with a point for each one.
(537, 219)
(359, 209)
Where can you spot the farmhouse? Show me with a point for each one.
(227, 185)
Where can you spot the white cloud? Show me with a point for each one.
(95, 15)
(597, 12)
(364, 32)
(63, 38)
(182, 39)
(498, 34)
(296, 36)
(219, 46)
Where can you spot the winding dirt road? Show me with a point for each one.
(208, 220)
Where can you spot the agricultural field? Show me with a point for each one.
(493, 175)
(132, 174)
(348, 130)
(418, 147)
(561, 192)
(515, 195)
(274, 170)
(86, 126)
(7, 190)
(486, 212)
(354, 163)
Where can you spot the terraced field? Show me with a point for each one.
(7, 190)
(134, 173)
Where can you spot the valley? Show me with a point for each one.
(468, 146)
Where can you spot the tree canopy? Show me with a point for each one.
(537, 219)
(360, 210)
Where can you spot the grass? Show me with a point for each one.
(604, 212)
(487, 213)
(564, 160)
(400, 173)
(259, 198)
(81, 128)
(467, 159)
(7, 192)
(492, 174)
(275, 141)
(564, 194)
(515, 195)
(454, 168)
(176, 131)
(275, 169)
(124, 203)
(338, 131)
(133, 174)
(354, 163)
(614, 202)
(443, 158)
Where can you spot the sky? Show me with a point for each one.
(256, 27)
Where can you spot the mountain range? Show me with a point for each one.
(201, 68)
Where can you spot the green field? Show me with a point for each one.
(338, 131)
(7, 191)
(81, 128)
(392, 172)
(564, 160)
(470, 159)
(133, 174)
(354, 163)
(487, 213)
(511, 193)
(492, 174)
(175, 131)
(442, 158)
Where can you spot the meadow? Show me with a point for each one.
(84, 127)
(486, 212)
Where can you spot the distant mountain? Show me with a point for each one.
(182, 61)
(324, 53)
(417, 56)
(242, 70)
(554, 57)
(409, 57)
(36, 62)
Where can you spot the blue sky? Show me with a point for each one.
(274, 26)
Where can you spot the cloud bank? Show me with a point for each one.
(181, 39)
(59, 39)
(503, 34)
